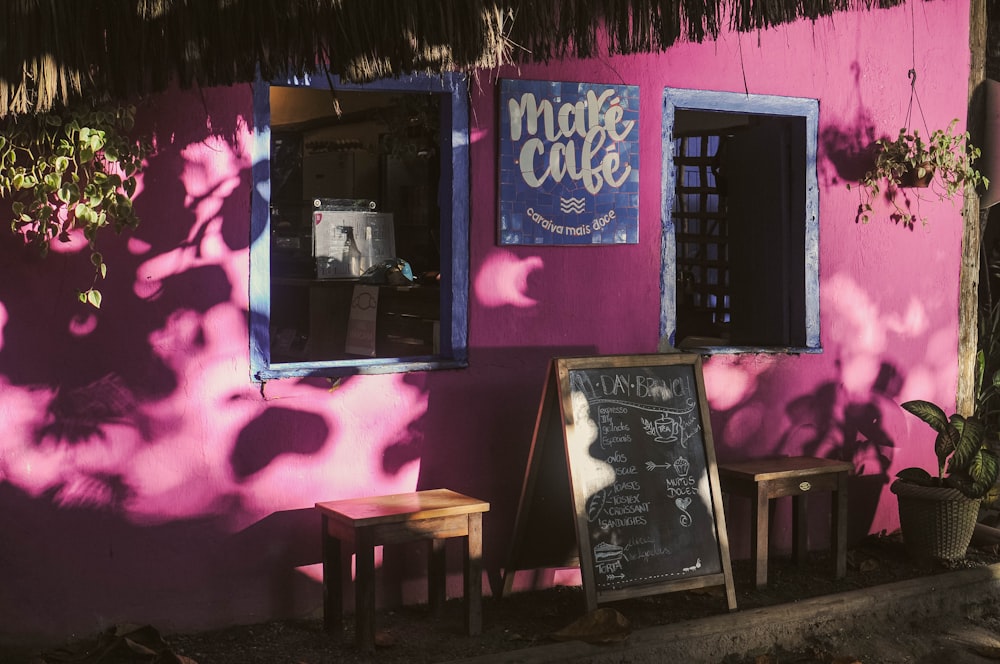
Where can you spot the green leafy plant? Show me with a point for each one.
(987, 376)
(945, 159)
(964, 446)
(75, 168)
(966, 460)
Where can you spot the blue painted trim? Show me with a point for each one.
(260, 229)
(758, 350)
(668, 240)
(454, 201)
(454, 197)
(357, 367)
(733, 102)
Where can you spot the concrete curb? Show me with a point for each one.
(788, 625)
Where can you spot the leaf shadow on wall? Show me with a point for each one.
(857, 425)
(825, 422)
(273, 433)
(53, 340)
(105, 383)
(481, 447)
(78, 414)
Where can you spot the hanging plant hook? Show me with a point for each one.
(912, 75)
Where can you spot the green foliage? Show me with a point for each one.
(946, 157)
(965, 457)
(75, 168)
(987, 372)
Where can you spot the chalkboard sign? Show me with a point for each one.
(643, 487)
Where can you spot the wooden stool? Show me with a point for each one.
(764, 479)
(364, 523)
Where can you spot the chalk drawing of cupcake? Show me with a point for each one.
(682, 466)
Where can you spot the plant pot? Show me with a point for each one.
(936, 522)
(912, 177)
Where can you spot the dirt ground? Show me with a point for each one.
(411, 635)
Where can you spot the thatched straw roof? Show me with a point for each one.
(55, 51)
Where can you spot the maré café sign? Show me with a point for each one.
(569, 163)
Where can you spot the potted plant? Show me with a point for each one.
(68, 169)
(938, 513)
(943, 161)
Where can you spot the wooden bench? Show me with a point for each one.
(361, 524)
(764, 479)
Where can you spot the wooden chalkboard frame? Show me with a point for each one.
(553, 493)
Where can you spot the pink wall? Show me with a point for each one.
(144, 478)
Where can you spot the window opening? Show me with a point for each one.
(740, 236)
(360, 261)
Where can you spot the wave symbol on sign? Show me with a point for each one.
(572, 205)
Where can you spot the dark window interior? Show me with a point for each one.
(351, 190)
(739, 222)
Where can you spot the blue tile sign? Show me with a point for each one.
(569, 163)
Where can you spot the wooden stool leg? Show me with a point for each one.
(800, 528)
(364, 590)
(474, 575)
(333, 584)
(839, 524)
(758, 544)
(436, 593)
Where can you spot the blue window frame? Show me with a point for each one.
(740, 264)
(451, 330)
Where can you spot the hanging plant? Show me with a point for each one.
(69, 169)
(943, 161)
